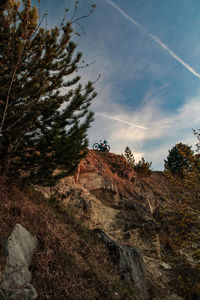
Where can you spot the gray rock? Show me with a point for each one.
(129, 262)
(16, 278)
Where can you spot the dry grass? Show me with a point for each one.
(115, 169)
(70, 262)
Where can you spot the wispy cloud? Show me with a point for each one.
(165, 128)
(155, 39)
(122, 121)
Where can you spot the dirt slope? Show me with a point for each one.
(105, 194)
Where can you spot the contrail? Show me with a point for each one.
(122, 121)
(155, 39)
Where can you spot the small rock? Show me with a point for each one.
(165, 266)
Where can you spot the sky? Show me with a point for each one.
(148, 55)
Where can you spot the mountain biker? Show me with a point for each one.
(102, 145)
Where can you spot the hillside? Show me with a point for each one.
(83, 223)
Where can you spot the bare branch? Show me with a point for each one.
(84, 16)
(75, 10)
(86, 65)
(9, 91)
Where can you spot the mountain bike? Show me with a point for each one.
(102, 146)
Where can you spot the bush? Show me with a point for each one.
(143, 168)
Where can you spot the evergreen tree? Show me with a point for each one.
(143, 168)
(129, 156)
(184, 225)
(40, 127)
(179, 159)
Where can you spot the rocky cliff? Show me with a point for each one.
(123, 243)
(106, 194)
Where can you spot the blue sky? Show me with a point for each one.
(148, 55)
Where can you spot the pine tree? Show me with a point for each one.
(143, 168)
(129, 156)
(179, 159)
(184, 224)
(40, 127)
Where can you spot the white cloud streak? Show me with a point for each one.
(122, 121)
(155, 39)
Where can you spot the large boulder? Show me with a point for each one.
(129, 263)
(16, 278)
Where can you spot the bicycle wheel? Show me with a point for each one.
(107, 148)
(96, 146)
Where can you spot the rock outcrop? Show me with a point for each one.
(15, 282)
(129, 262)
(107, 195)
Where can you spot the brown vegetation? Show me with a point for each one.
(69, 261)
(155, 215)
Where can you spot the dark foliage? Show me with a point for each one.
(129, 156)
(179, 159)
(44, 111)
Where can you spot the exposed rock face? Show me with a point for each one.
(107, 194)
(16, 278)
(129, 262)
